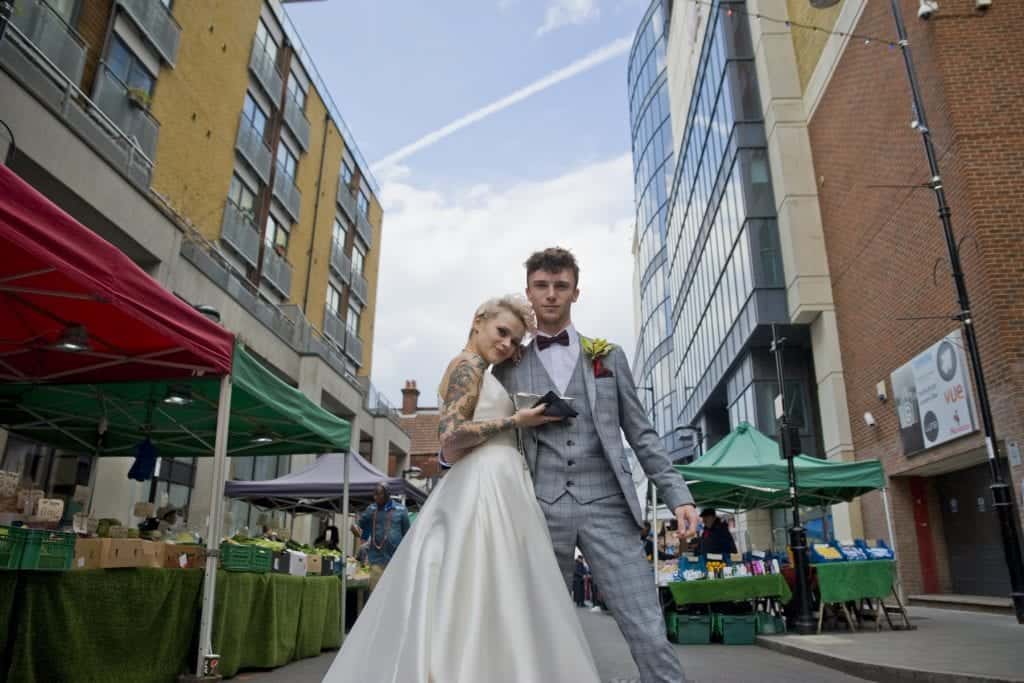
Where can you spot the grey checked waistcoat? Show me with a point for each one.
(570, 457)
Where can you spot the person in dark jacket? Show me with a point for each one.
(579, 576)
(715, 537)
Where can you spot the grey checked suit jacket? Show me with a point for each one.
(614, 406)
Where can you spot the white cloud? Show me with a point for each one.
(598, 56)
(568, 12)
(443, 254)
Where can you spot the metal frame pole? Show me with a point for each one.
(344, 571)
(654, 528)
(1009, 522)
(892, 540)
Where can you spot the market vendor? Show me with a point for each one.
(382, 525)
(716, 537)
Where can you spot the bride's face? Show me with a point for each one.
(497, 338)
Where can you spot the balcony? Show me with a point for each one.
(359, 287)
(54, 38)
(334, 327)
(277, 272)
(286, 193)
(263, 67)
(346, 200)
(238, 232)
(157, 24)
(127, 108)
(354, 347)
(253, 149)
(341, 265)
(364, 229)
(297, 122)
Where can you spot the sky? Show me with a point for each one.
(495, 128)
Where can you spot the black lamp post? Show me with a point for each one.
(1009, 524)
(789, 446)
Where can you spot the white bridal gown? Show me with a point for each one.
(473, 592)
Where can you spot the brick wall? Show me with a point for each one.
(93, 20)
(884, 243)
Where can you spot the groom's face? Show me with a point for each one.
(552, 295)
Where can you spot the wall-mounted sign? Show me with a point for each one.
(933, 396)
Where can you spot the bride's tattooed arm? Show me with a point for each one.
(458, 432)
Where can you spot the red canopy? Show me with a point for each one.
(74, 308)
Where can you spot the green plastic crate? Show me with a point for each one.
(235, 558)
(262, 560)
(671, 625)
(12, 545)
(769, 624)
(737, 629)
(47, 550)
(692, 629)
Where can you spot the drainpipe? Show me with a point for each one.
(316, 214)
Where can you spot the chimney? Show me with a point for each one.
(410, 397)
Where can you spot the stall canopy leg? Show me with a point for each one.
(892, 540)
(344, 569)
(220, 459)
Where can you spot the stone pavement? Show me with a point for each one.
(947, 646)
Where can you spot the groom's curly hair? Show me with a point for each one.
(552, 260)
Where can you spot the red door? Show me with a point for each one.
(923, 531)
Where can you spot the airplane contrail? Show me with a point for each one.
(598, 56)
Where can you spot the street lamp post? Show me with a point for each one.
(797, 534)
(1009, 524)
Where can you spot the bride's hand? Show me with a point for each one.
(533, 417)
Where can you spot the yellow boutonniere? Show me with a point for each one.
(596, 349)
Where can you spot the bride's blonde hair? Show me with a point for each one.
(516, 304)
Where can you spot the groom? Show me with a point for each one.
(581, 475)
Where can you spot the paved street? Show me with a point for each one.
(703, 664)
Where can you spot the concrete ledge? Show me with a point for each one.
(968, 603)
(871, 671)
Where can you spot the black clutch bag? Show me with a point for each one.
(556, 405)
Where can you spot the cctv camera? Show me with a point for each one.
(927, 9)
(869, 420)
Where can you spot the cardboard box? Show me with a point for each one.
(314, 565)
(184, 556)
(116, 553)
(289, 562)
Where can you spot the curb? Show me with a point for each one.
(884, 673)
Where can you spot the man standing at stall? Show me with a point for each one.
(382, 526)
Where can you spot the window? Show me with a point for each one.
(364, 204)
(174, 477)
(266, 40)
(346, 173)
(286, 161)
(241, 196)
(65, 9)
(255, 115)
(277, 235)
(355, 312)
(334, 300)
(358, 259)
(338, 233)
(123, 64)
(296, 92)
(261, 467)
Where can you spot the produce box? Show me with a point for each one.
(181, 556)
(691, 629)
(47, 550)
(289, 562)
(12, 544)
(332, 566)
(262, 560)
(117, 553)
(737, 629)
(769, 624)
(235, 558)
(314, 564)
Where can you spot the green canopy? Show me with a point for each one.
(744, 472)
(268, 417)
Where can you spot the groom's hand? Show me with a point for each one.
(687, 520)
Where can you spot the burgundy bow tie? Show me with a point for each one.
(560, 338)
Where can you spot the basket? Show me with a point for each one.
(47, 550)
(262, 560)
(737, 629)
(235, 558)
(12, 545)
(769, 624)
(691, 629)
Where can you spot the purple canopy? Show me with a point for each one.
(318, 488)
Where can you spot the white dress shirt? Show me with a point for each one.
(560, 361)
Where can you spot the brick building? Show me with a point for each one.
(421, 423)
(890, 277)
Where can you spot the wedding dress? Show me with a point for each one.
(473, 592)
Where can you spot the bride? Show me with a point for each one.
(474, 592)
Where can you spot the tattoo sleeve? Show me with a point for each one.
(457, 430)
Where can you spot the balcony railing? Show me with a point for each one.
(48, 31)
(265, 70)
(340, 264)
(157, 24)
(297, 122)
(379, 406)
(364, 229)
(354, 347)
(252, 147)
(289, 195)
(277, 271)
(346, 200)
(128, 109)
(238, 231)
(359, 287)
(334, 327)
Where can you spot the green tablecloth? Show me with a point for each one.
(141, 625)
(846, 581)
(705, 591)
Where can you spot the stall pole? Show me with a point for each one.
(654, 529)
(206, 661)
(344, 569)
(892, 540)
